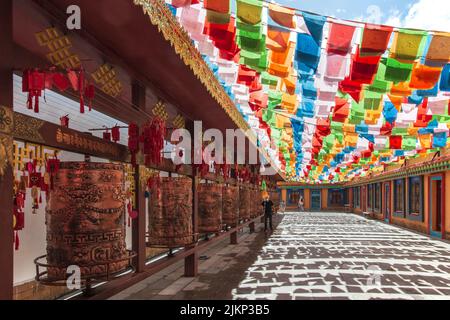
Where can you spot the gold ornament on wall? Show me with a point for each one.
(159, 110)
(106, 77)
(6, 153)
(59, 47)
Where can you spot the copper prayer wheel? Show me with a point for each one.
(209, 207)
(170, 213)
(244, 203)
(230, 205)
(85, 218)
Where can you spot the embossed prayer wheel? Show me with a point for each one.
(170, 213)
(230, 205)
(85, 218)
(209, 207)
(244, 203)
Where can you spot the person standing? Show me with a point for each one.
(268, 211)
(301, 204)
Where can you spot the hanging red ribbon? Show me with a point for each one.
(33, 82)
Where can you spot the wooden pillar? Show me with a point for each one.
(191, 261)
(6, 149)
(138, 224)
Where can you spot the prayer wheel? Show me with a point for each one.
(85, 218)
(244, 203)
(209, 207)
(170, 213)
(230, 205)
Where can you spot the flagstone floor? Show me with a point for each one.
(343, 256)
(318, 255)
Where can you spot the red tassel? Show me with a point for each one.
(81, 90)
(30, 101)
(40, 198)
(36, 104)
(16, 241)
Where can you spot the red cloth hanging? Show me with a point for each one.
(375, 39)
(340, 38)
(246, 75)
(183, 3)
(222, 6)
(341, 110)
(107, 135)
(33, 82)
(64, 121)
(363, 68)
(395, 142)
(60, 81)
(89, 93)
(133, 141)
(115, 133)
(353, 88)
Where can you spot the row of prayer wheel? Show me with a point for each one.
(85, 216)
(170, 212)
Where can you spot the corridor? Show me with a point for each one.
(344, 256)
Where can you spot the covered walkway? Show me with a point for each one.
(323, 255)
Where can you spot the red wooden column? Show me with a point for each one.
(138, 224)
(6, 143)
(191, 261)
(234, 235)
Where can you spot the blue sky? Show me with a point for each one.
(347, 9)
(421, 14)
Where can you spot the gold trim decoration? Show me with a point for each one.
(6, 153)
(161, 16)
(6, 120)
(105, 76)
(27, 128)
(59, 46)
(159, 110)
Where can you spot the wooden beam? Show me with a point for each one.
(6, 147)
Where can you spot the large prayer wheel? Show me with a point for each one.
(170, 213)
(209, 207)
(230, 205)
(244, 203)
(85, 220)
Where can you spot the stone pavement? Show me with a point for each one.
(219, 274)
(320, 255)
(343, 256)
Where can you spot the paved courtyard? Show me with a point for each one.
(343, 256)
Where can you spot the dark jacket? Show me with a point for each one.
(268, 207)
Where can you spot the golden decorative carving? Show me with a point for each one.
(178, 122)
(27, 128)
(6, 153)
(59, 47)
(159, 110)
(6, 119)
(25, 152)
(105, 77)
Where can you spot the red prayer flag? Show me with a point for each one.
(222, 6)
(375, 39)
(340, 38)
